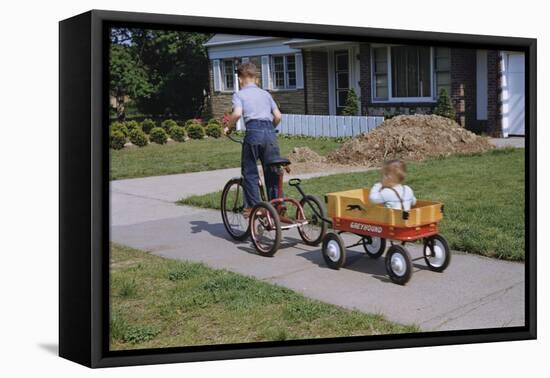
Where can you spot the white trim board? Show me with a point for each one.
(270, 47)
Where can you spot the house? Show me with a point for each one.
(308, 76)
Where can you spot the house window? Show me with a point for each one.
(290, 71)
(410, 73)
(283, 69)
(341, 59)
(442, 69)
(380, 63)
(410, 67)
(228, 74)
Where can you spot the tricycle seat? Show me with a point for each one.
(280, 161)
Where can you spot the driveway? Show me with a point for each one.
(474, 292)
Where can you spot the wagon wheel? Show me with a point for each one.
(374, 246)
(334, 250)
(232, 206)
(398, 264)
(265, 229)
(437, 253)
(313, 232)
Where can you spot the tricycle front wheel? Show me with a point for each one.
(334, 250)
(437, 253)
(398, 264)
(232, 209)
(313, 232)
(374, 246)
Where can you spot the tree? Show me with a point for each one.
(351, 108)
(177, 67)
(444, 107)
(128, 78)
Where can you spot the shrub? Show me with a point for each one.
(189, 122)
(119, 126)
(138, 137)
(193, 121)
(168, 124)
(131, 126)
(214, 121)
(213, 130)
(158, 135)
(351, 107)
(117, 140)
(177, 133)
(444, 107)
(195, 131)
(147, 124)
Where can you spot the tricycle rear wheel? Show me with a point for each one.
(374, 246)
(334, 250)
(437, 253)
(265, 229)
(399, 264)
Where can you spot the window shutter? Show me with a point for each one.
(245, 59)
(217, 75)
(266, 76)
(299, 71)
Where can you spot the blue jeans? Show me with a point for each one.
(260, 142)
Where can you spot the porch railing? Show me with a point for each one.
(327, 126)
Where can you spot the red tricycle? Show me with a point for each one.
(268, 219)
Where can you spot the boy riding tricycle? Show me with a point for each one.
(387, 211)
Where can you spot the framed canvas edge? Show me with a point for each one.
(99, 200)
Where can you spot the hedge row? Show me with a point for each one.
(140, 133)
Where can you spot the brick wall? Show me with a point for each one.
(316, 82)
(365, 77)
(463, 86)
(290, 101)
(494, 76)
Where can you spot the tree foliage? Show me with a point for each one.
(164, 72)
(444, 106)
(128, 78)
(351, 107)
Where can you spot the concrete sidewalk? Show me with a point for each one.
(474, 292)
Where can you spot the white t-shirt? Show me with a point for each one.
(389, 198)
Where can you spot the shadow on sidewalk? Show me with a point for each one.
(214, 229)
(358, 262)
(285, 244)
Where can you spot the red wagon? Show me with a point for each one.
(350, 211)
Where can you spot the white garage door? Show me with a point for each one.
(513, 94)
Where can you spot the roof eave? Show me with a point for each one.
(237, 41)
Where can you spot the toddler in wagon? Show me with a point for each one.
(391, 192)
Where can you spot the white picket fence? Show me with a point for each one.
(328, 126)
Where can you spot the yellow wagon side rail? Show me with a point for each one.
(355, 204)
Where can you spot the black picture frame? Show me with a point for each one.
(84, 190)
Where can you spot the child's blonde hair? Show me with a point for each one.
(394, 172)
(247, 70)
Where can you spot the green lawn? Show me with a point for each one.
(483, 196)
(157, 302)
(197, 155)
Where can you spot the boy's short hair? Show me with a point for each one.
(247, 69)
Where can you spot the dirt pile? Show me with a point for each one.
(409, 137)
(304, 155)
